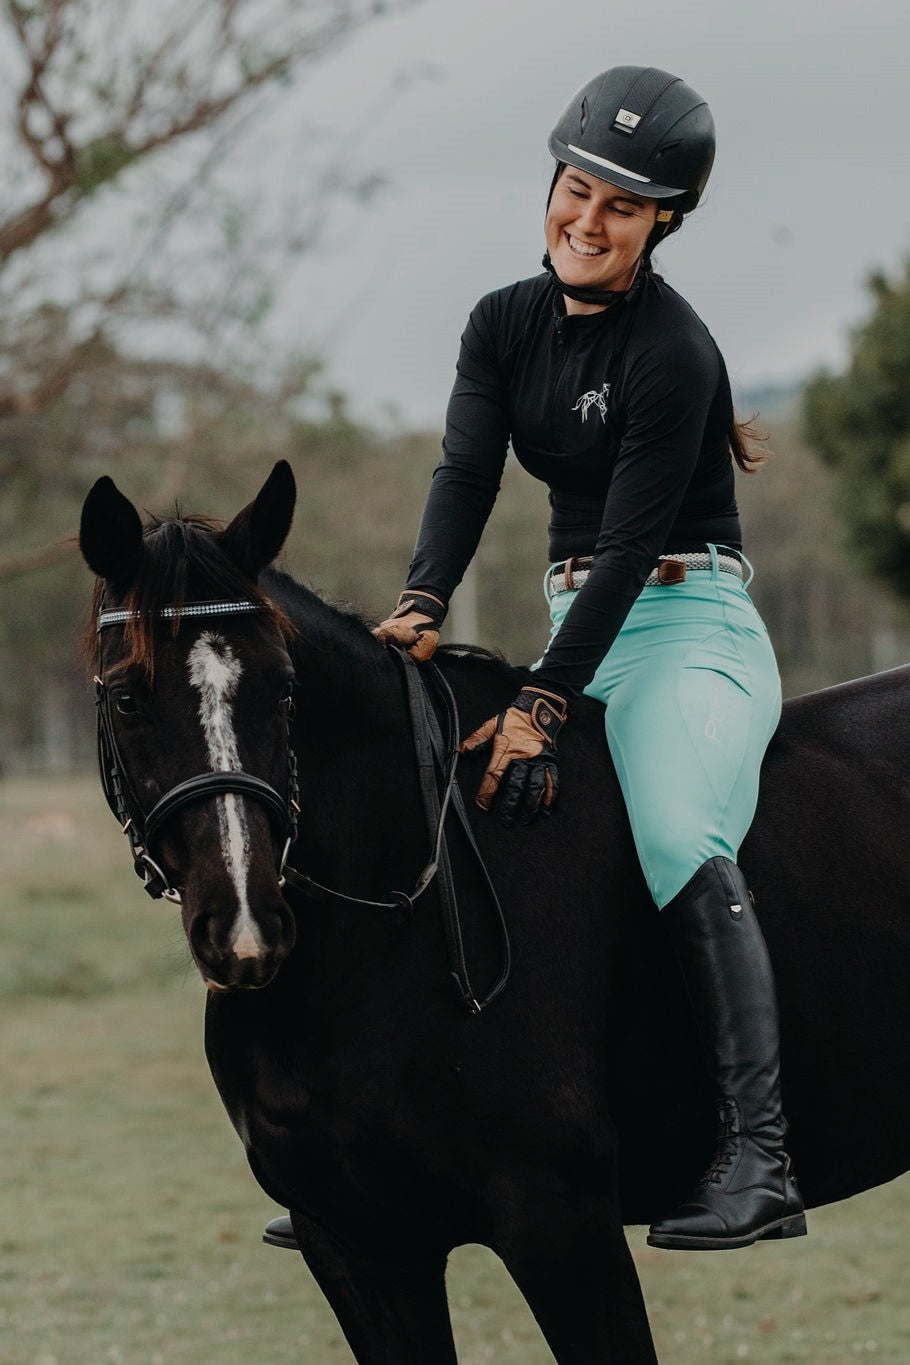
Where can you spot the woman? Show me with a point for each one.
(612, 391)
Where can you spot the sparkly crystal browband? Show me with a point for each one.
(120, 617)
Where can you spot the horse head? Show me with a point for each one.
(194, 684)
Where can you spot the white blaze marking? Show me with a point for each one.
(215, 672)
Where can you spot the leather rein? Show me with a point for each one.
(436, 753)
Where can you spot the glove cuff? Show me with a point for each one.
(547, 711)
(425, 603)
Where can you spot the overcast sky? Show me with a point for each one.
(810, 189)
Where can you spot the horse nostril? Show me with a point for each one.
(276, 926)
(202, 936)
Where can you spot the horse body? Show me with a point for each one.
(410, 1126)
(395, 1125)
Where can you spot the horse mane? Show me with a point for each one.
(311, 612)
(183, 562)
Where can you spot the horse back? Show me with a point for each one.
(827, 861)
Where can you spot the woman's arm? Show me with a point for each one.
(467, 479)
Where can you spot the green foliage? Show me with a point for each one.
(859, 422)
(100, 162)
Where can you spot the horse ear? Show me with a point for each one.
(110, 534)
(256, 534)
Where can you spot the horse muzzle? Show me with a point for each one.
(244, 952)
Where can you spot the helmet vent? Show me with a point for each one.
(584, 114)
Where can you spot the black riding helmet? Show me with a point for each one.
(643, 130)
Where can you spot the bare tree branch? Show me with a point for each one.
(19, 402)
(156, 112)
(31, 561)
(93, 101)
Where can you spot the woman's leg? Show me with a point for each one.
(689, 716)
(693, 697)
(748, 1191)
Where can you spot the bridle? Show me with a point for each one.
(141, 827)
(437, 757)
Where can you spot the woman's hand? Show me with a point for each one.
(524, 754)
(414, 625)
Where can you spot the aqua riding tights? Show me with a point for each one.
(693, 697)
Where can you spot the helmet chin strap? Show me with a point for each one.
(602, 297)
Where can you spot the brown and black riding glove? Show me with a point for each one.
(524, 755)
(414, 625)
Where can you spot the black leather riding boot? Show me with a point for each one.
(748, 1192)
(280, 1233)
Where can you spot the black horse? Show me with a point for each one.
(393, 1122)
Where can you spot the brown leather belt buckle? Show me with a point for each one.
(671, 571)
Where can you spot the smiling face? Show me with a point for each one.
(596, 233)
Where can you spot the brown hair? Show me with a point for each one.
(747, 445)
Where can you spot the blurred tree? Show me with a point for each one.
(829, 619)
(859, 422)
(165, 429)
(178, 434)
(117, 120)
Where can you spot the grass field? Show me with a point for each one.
(129, 1224)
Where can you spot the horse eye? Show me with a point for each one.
(126, 704)
(287, 697)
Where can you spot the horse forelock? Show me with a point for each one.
(183, 562)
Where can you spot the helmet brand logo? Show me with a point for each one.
(626, 121)
(593, 399)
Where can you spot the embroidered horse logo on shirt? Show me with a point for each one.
(593, 399)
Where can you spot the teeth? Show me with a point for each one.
(581, 249)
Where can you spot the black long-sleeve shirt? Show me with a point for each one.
(625, 414)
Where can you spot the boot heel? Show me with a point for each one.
(793, 1227)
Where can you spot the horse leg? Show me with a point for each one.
(391, 1305)
(572, 1263)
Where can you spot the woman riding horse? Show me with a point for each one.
(612, 391)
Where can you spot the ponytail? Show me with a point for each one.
(747, 445)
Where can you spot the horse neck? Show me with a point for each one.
(361, 812)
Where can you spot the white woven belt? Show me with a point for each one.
(696, 559)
